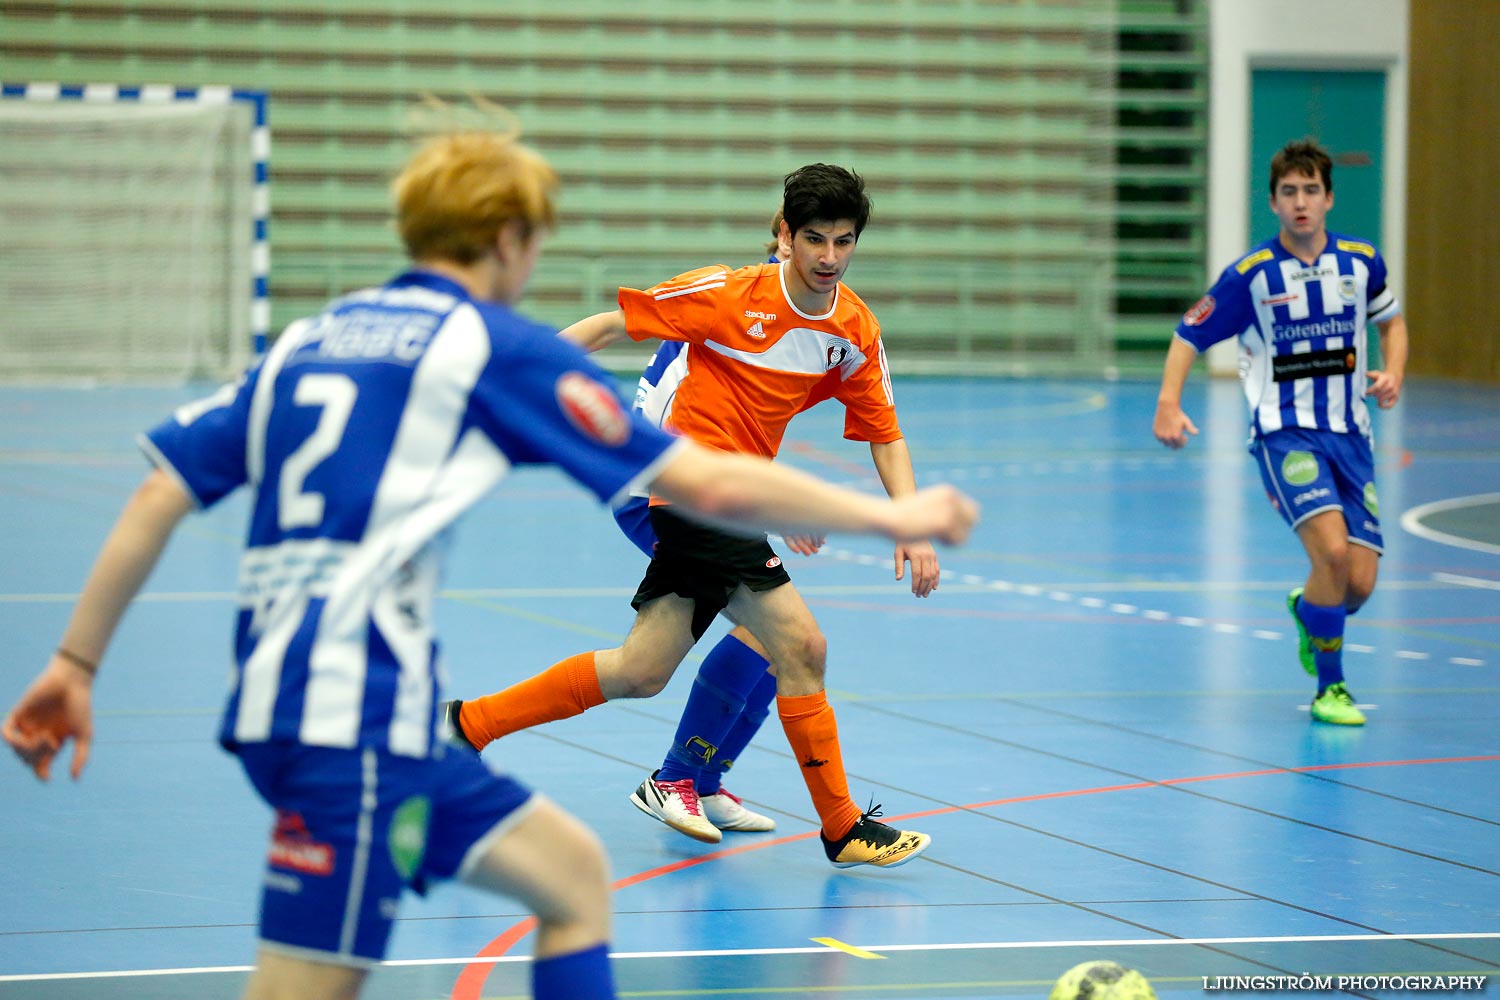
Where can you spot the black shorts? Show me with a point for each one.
(705, 565)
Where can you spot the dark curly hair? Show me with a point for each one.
(824, 192)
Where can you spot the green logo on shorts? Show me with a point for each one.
(408, 835)
(1372, 504)
(1299, 468)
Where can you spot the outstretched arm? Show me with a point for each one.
(1385, 383)
(596, 332)
(1171, 425)
(57, 705)
(740, 492)
(893, 462)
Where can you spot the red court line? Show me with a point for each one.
(830, 460)
(470, 982)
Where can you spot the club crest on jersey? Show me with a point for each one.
(773, 562)
(1202, 309)
(1347, 288)
(593, 409)
(837, 353)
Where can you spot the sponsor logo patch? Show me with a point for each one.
(593, 409)
(294, 849)
(407, 838)
(282, 882)
(1299, 468)
(773, 562)
(757, 331)
(752, 314)
(1201, 310)
(1312, 364)
(1280, 300)
(1372, 502)
(1309, 496)
(1312, 273)
(1317, 328)
(1255, 258)
(1354, 246)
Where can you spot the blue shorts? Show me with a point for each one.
(634, 518)
(356, 827)
(1307, 472)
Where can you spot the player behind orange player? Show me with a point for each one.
(767, 341)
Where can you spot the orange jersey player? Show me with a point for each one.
(761, 360)
(765, 343)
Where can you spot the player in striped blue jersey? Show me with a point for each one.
(1299, 304)
(363, 435)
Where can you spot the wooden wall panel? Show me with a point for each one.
(1453, 194)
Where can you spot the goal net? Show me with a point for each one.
(134, 226)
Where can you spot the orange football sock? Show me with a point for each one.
(814, 736)
(562, 691)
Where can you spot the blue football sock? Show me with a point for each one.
(728, 675)
(757, 709)
(1325, 625)
(582, 975)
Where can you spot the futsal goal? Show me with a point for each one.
(134, 222)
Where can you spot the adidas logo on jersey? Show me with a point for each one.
(757, 331)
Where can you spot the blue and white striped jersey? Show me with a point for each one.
(1302, 332)
(658, 383)
(364, 433)
(658, 387)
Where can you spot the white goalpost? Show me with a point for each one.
(134, 231)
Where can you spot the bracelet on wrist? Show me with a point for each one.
(87, 666)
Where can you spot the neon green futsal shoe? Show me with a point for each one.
(1336, 705)
(1304, 641)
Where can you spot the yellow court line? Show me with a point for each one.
(847, 949)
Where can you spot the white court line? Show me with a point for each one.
(738, 952)
(1412, 521)
(1154, 614)
(1467, 581)
(844, 555)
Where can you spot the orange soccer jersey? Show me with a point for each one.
(757, 361)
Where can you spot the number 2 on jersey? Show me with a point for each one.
(335, 395)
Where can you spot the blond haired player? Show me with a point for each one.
(363, 435)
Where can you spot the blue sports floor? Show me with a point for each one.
(1099, 717)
